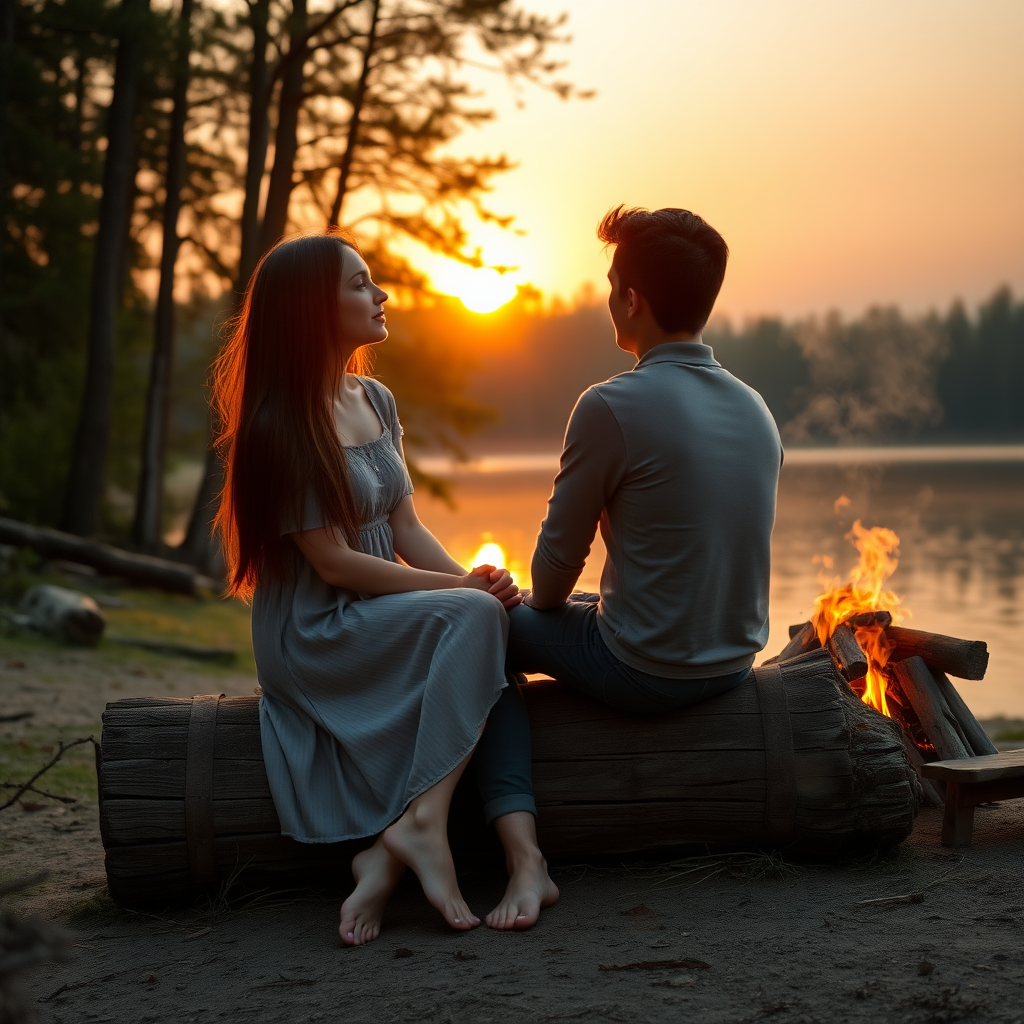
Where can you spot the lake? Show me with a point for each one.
(959, 513)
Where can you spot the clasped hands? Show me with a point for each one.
(496, 581)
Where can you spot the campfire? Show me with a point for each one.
(903, 673)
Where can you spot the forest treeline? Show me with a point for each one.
(882, 377)
(153, 150)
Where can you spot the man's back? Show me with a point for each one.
(680, 460)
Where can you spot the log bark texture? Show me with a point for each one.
(978, 740)
(791, 760)
(142, 569)
(965, 659)
(918, 685)
(802, 639)
(847, 653)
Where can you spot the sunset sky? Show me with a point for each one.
(850, 151)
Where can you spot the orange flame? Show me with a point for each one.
(840, 602)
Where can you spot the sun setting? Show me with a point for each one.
(489, 554)
(481, 290)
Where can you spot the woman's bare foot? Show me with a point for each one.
(420, 841)
(376, 873)
(529, 888)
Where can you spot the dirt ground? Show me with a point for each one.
(705, 938)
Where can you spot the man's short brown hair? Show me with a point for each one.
(673, 258)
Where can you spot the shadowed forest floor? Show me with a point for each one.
(751, 938)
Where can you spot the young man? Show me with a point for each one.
(678, 462)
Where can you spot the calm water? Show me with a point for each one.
(959, 514)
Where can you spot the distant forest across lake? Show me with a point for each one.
(881, 377)
(509, 380)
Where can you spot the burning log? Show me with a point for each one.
(965, 659)
(847, 654)
(882, 619)
(917, 684)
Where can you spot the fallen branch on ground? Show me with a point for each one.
(25, 787)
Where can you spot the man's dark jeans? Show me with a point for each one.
(566, 644)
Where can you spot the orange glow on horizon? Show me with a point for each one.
(489, 553)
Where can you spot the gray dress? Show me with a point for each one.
(368, 701)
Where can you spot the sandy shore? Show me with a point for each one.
(712, 940)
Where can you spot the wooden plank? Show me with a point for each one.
(170, 742)
(918, 686)
(270, 852)
(965, 659)
(977, 739)
(233, 779)
(641, 737)
(1009, 764)
(130, 821)
(147, 712)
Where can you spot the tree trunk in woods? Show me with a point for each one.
(353, 123)
(88, 463)
(149, 506)
(259, 134)
(286, 141)
(7, 15)
(199, 547)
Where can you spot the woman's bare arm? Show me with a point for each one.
(339, 566)
(416, 545)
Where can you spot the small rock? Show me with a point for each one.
(924, 968)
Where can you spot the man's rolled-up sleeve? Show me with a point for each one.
(592, 466)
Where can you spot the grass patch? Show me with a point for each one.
(204, 622)
(146, 614)
(1009, 736)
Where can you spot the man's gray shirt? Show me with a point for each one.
(679, 463)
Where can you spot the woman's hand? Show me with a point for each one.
(495, 581)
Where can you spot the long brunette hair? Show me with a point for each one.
(273, 388)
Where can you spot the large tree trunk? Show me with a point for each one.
(149, 506)
(259, 134)
(286, 141)
(353, 124)
(199, 546)
(88, 463)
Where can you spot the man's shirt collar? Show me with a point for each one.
(694, 352)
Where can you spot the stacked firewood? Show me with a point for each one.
(937, 724)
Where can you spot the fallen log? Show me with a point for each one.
(965, 659)
(977, 739)
(802, 641)
(851, 661)
(143, 570)
(918, 685)
(791, 760)
(63, 613)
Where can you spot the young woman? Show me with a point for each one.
(379, 656)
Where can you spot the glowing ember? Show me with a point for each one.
(864, 593)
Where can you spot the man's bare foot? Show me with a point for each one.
(376, 873)
(529, 888)
(423, 845)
